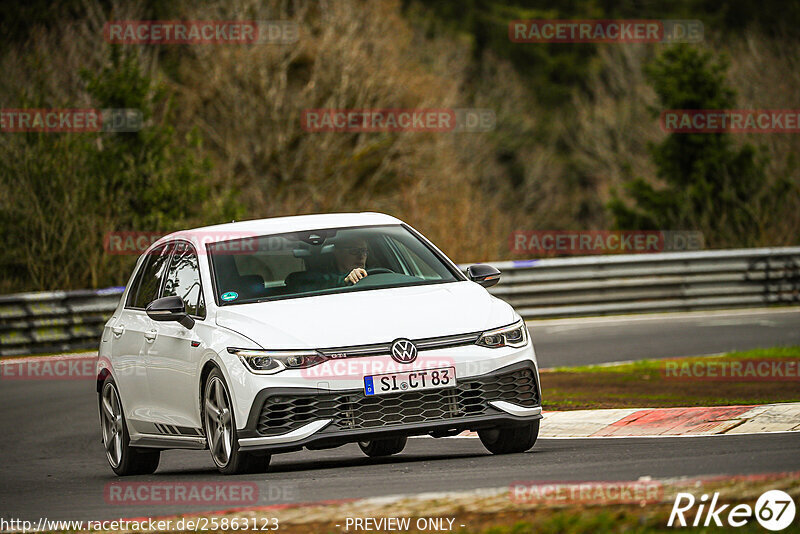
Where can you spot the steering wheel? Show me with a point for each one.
(379, 270)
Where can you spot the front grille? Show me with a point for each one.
(353, 410)
(384, 349)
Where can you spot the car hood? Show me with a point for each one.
(365, 317)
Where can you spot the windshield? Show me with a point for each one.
(324, 261)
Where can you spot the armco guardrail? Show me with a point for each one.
(559, 287)
(54, 321)
(636, 283)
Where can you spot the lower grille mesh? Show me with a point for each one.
(354, 410)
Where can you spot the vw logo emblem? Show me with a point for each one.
(404, 351)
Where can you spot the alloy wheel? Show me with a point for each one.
(218, 422)
(112, 425)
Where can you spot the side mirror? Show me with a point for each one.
(483, 274)
(170, 309)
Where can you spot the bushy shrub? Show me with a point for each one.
(708, 183)
(63, 192)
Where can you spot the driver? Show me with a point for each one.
(350, 254)
(347, 268)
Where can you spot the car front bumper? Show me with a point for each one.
(288, 419)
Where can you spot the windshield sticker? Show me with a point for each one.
(230, 295)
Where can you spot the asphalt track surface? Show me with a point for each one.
(54, 466)
(636, 337)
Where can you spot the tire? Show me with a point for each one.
(123, 459)
(507, 440)
(219, 424)
(383, 447)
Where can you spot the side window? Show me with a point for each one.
(148, 280)
(183, 279)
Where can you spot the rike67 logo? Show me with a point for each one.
(774, 510)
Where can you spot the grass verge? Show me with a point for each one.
(496, 511)
(674, 382)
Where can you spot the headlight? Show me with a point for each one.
(515, 335)
(269, 362)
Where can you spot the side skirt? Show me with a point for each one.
(168, 442)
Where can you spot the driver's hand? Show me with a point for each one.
(355, 275)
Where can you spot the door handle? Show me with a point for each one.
(118, 330)
(150, 335)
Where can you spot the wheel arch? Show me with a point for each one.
(103, 371)
(209, 366)
(101, 377)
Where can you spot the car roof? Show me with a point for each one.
(278, 225)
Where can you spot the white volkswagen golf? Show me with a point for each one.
(267, 336)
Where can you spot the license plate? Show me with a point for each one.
(444, 377)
